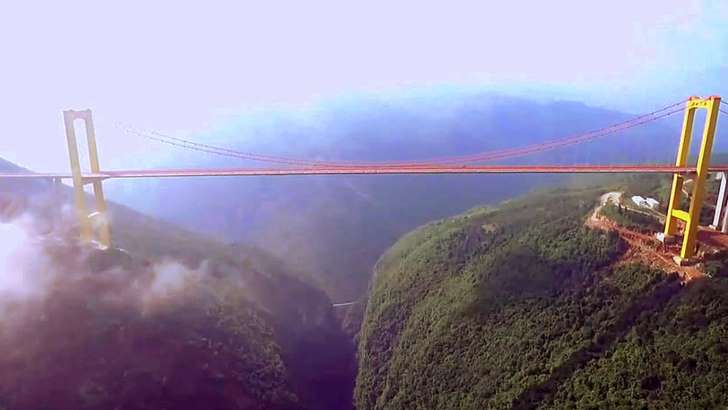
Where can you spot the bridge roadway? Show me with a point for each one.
(372, 170)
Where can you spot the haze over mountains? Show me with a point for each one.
(331, 230)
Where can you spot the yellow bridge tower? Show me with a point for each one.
(94, 226)
(691, 217)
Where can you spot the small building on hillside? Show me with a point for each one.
(649, 203)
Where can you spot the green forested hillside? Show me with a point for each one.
(165, 319)
(521, 306)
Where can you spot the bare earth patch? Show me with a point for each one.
(642, 247)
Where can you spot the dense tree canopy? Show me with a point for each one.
(523, 306)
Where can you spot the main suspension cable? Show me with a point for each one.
(464, 159)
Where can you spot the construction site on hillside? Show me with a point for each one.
(639, 222)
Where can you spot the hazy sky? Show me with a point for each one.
(184, 67)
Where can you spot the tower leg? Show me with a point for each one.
(103, 224)
(78, 193)
(683, 152)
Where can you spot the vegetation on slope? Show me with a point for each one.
(245, 335)
(674, 356)
(632, 219)
(318, 355)
(93, 343)
(521, 306)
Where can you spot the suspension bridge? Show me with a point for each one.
(462, 164)
(370, 170)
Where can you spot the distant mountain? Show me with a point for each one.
(165, 319)
(677, 85)
(522, 306)
(333, 229)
